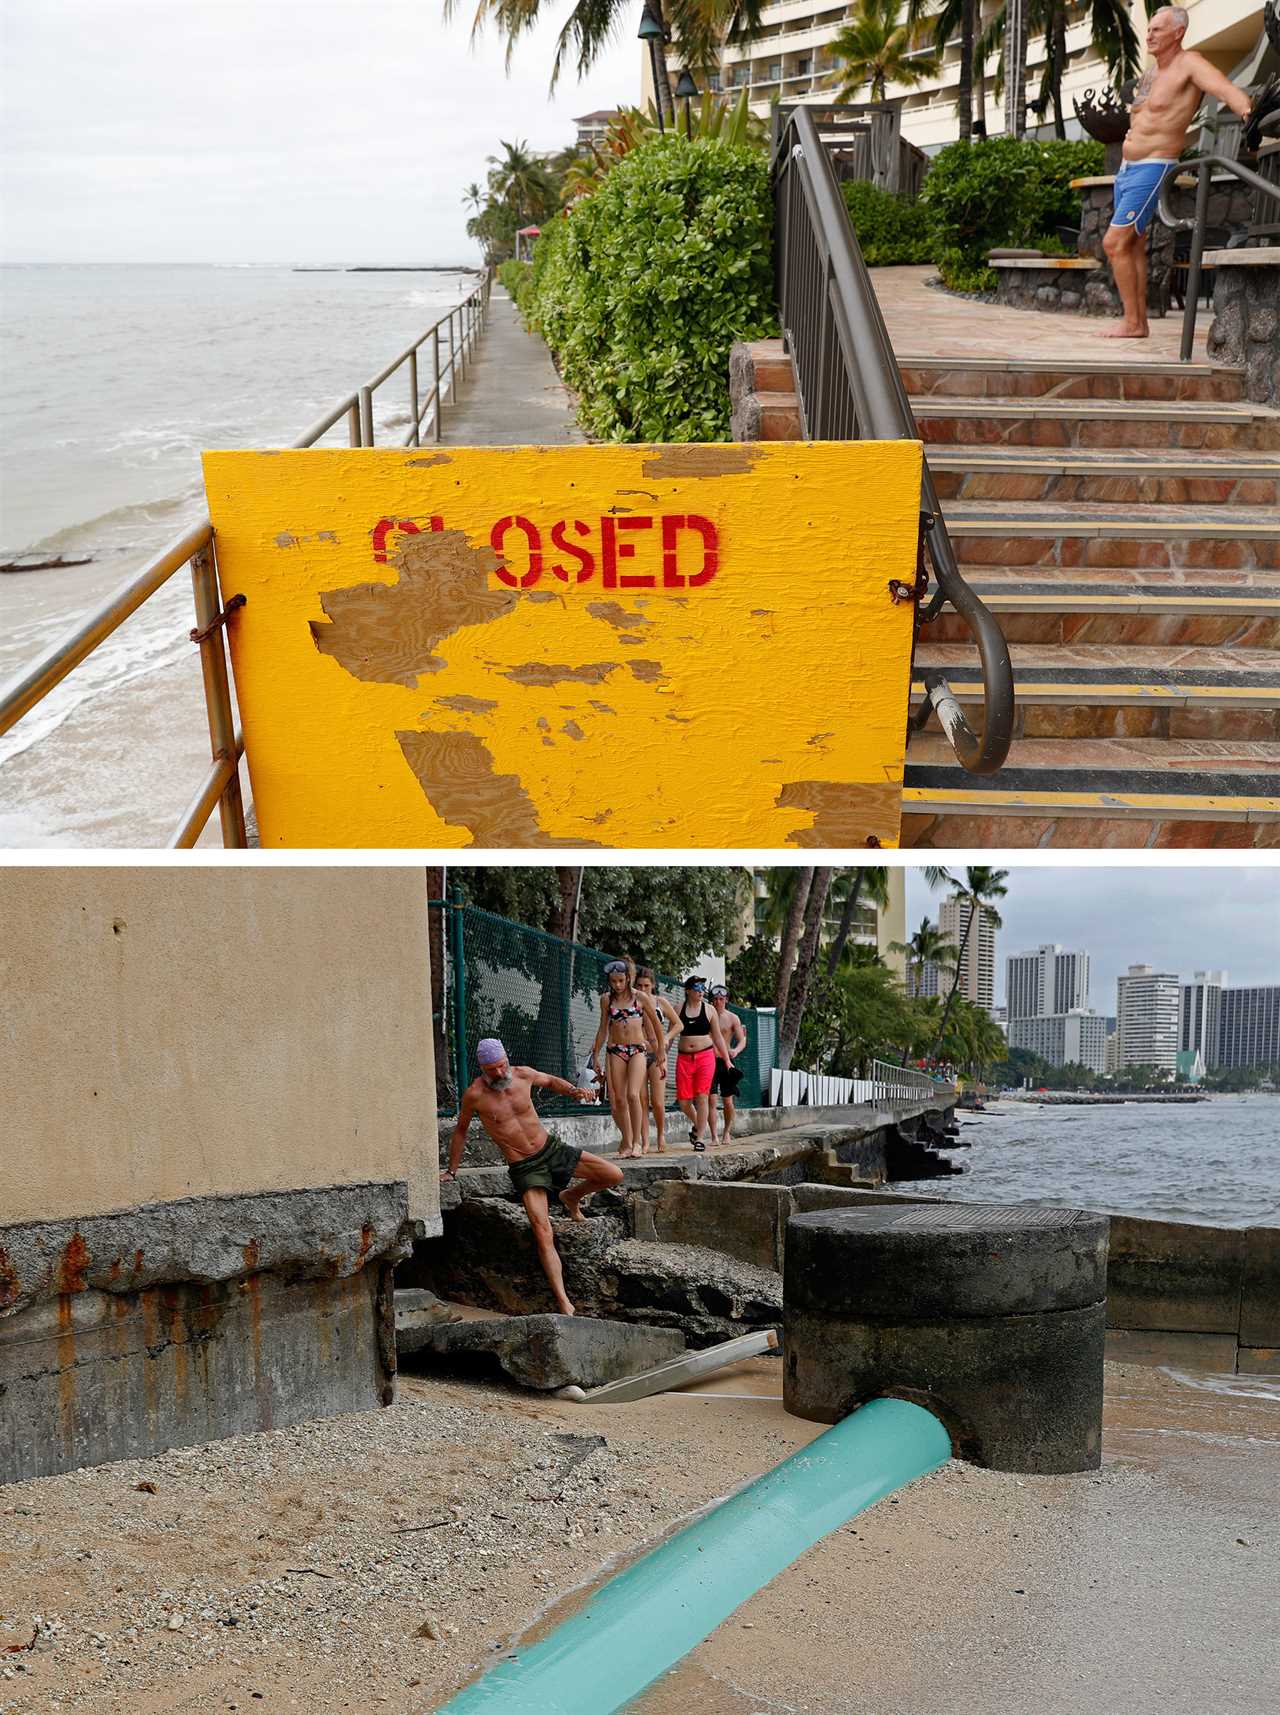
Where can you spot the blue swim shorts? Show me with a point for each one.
(1137, 192)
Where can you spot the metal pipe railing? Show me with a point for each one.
(1204, 165)
(196, 547)
(849, 388)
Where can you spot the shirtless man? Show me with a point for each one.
(1164, 104)
(538, 1162)
(727, 1076)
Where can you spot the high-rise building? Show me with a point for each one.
(978, 962)
(1074, 1038)
(1249, 1027)
(1198, 1015)
(1147, 1018)
(1047, 981)
(790, 60)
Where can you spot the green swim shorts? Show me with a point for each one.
(550, 1169)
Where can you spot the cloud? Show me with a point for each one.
(271, 131)
(1175, 918)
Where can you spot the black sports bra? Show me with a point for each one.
(699, 1026)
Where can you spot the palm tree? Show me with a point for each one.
(473, 197)
(521, 180)
(864, 882)
(697, 27)
(981, 887)
(797, 882)
(878, 48)
(960, 16)
(791, 1018)
(1111, 33)
(928, 946)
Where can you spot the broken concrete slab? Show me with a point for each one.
(487, 1258)
(547, 1352)
(741, 1219)
(709, 1295)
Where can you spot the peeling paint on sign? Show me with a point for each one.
(392, 668)
(456, 773)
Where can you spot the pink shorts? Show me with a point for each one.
(694, 1073)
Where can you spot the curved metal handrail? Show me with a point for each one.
(857, 390)
(1203, 165)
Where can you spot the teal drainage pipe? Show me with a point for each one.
(641, 1623)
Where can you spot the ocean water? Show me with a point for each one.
(1216, 1161)
(115, 379)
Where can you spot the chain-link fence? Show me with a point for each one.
(541, 996)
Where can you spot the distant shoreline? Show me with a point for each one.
(382, 268)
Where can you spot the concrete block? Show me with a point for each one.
(742, 1220)
(548, 1352)
(1016, 1393)
(1260, 1288)
(991, 1317)
(96, 1376)
(1174, 1276)
(810, 1196)
(1214, 1353)
(961, 1260)
(1258, 1361)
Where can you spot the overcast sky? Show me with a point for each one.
(1182, 920)
(278, 131)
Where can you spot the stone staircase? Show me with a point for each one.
(1122, 521)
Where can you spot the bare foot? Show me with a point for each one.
(572, 1201)
(661, 1149)
(1124, 331)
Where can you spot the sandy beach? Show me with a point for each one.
(378, 1562)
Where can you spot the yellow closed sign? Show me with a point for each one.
(572, 646)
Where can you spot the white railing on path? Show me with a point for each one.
(894, 1085)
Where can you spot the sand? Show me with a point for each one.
(378, 1561)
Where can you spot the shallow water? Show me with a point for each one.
(116, 378)
(1216, 1161)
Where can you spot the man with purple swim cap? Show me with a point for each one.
(539, 1163)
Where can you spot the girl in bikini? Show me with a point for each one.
(655, 1090)
(624, 1016)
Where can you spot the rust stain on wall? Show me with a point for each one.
(464, 705)
(553, 673)
(387, 633)
(426, 464)
(455, 771)
(613, 613)
(73, 1265)
(66, 1371)
(844, 815)
(8, 1280)
(573, 730)
(680, 461)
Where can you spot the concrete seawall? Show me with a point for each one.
(1204, 1296)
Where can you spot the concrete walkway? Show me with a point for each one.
(924, 321)
(512, 395)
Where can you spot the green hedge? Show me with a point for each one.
(889, 229)
(1005, 191)
(641, 288)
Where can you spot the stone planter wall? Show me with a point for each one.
(1246, 317)
(1051, 283)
